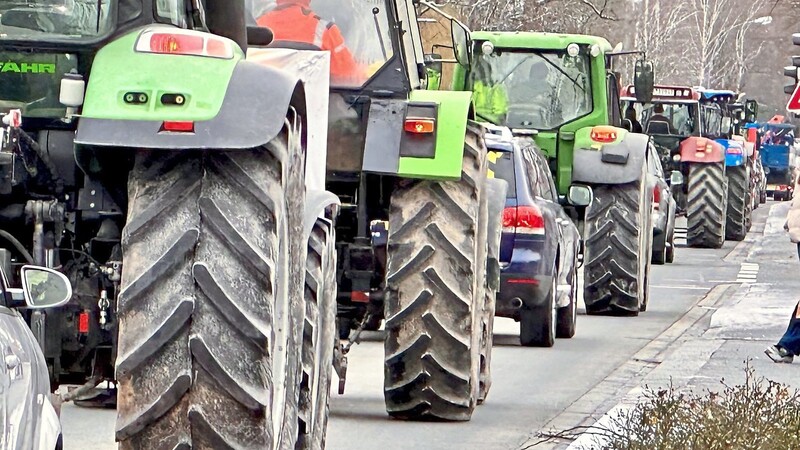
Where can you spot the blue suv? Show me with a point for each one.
(541, 249)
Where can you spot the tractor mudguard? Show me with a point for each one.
(697, 149)
(616, 162)
(734, 152)
(317, 203)
(390, 149)
(253, 111)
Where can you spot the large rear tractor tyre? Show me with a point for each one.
(433, 303)
(319, 337)
(707, 205)
(738, 207)
(617, 231)
(211, 307)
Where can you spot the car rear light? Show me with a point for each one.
(603, 134)
(420, 126)
(523, 220)
(83, 323)
(178, 126)
(184, 42)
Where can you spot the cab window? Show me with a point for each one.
(172, 12)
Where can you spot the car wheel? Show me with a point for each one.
(660, 254)
(568, 315)
(537, 326)
(671, 249)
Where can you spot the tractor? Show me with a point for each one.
(738, 163)
(172, 180)
(563, 91)
(671, 117)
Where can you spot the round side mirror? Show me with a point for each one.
(44, 288)
(579, 195)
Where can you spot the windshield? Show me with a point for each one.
(531, 90)
(669, 118)
(356, 32)
(49, 19)
(712, 121)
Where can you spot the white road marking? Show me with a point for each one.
(748, 273)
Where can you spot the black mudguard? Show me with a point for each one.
(617, 163)
(252, 114)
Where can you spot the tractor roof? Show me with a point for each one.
(538, 41)
(665, 94)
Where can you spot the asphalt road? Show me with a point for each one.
(530, 387)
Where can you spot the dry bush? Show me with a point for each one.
(759, 414)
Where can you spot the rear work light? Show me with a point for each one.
(523, 220)
(603, 134)
(184, 42)
(419, 126)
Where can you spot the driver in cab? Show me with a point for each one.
(294, 21)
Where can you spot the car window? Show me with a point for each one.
(545, 179)
(654, 162)
(504, 170)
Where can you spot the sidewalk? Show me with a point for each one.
(733, 324)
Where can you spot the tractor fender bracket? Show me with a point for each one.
(496, 190)
(319, 205)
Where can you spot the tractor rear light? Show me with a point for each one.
(83, 323)
(184, 42)
(178, 126)
(603, 134)
(420, 126)
(359, 296)
(734, 151)
(523, 220)
(709, 148)
(524, 281)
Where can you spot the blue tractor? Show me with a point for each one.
(775, 144)
(725, 113)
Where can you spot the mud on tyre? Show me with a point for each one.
(211, 305)
(434, 303)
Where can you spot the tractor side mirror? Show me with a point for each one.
(259, 36)
(644, 80)
(460, 36)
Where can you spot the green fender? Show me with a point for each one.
(451, 126)
(231, 103)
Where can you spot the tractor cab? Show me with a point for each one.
(672, 116)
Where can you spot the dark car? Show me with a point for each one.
(28, 417)
(540, 249)
(664, 207)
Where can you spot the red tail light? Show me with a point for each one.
(184, 42)
(83, 323)
(178, 127)
(734, 151)
(523, 220)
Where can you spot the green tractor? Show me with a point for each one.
(419, 223)
(168, 177)
(562, 91)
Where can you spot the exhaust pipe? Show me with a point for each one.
(516, 303)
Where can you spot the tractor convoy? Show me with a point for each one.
(235, 202)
